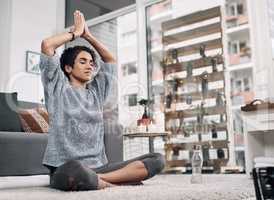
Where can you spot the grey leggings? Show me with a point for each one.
(74, 176)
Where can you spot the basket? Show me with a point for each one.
(264, 183)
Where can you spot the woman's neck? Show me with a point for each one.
(77, 84)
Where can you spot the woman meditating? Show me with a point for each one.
(74, 96)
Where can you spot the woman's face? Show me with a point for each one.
(83, 67)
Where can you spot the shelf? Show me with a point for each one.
(198, 63)
(192, 34)
(193, 112)
(219, 127)
(197, 95)
(215, 143)
(176, 163)
(192, 49)
(192, 18)
(212, 77)
(186, 35)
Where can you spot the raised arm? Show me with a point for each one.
(100, 48)
(49, 45)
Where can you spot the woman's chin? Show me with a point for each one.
(87, 78)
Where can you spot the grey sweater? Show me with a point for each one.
(76, 129)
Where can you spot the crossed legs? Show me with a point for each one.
(73, 176)
(132, 172)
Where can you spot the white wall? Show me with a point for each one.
(261, 49)
(28, 22)
(5, 18)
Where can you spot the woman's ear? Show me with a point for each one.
(68, 69)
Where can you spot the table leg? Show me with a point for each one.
(151, 145)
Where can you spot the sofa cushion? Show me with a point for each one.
(8, 112)
(34, 120)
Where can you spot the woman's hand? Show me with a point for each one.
(79, 23)
(49, 45)
(86, 32)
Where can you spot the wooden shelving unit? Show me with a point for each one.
(196, 63)
(195, 119)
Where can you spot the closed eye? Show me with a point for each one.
(84, 61)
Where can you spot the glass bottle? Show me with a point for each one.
(197, 163)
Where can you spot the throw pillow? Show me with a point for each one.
(9, 120)
(34, 120)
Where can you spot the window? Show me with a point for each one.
(271, 22)
(131, 100)
(246, 84)
(233, 47)
(238, 86)
(232, 10)
(240, 9)
(129, 68)
(242, 46)
(93, 8)
(242, 85)
(129, 35)
(236, 9)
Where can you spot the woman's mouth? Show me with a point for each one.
(88, 72)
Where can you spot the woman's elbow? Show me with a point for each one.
(46, 48)
(111, 60)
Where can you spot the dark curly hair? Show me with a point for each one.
(69, 55)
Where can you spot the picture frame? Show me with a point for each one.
(32, 62)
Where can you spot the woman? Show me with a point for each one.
(74, 97)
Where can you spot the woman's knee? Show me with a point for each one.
(74, 176)
(161, 162)
(154, 164)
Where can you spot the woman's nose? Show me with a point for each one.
(90, 66)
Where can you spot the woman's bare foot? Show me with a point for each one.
(104, 184)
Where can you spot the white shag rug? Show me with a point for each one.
(161, 187)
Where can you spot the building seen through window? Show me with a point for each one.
(129, 68)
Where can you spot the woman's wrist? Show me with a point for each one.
(74, 35)
(88, 36)
(77, 34)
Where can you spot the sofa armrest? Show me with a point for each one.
(22, 153)
(113, 142)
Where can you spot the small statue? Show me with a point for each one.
(214, 131)
(204, 79)
(174, 56)
(201, 113)
(168, 58)
(214, 64)
(186, 133)
(175, 83)
(221, 118)
(168, 100)
(202, 50)
(188, 99)
(220, 153)
(189, 70)
(219, 100)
